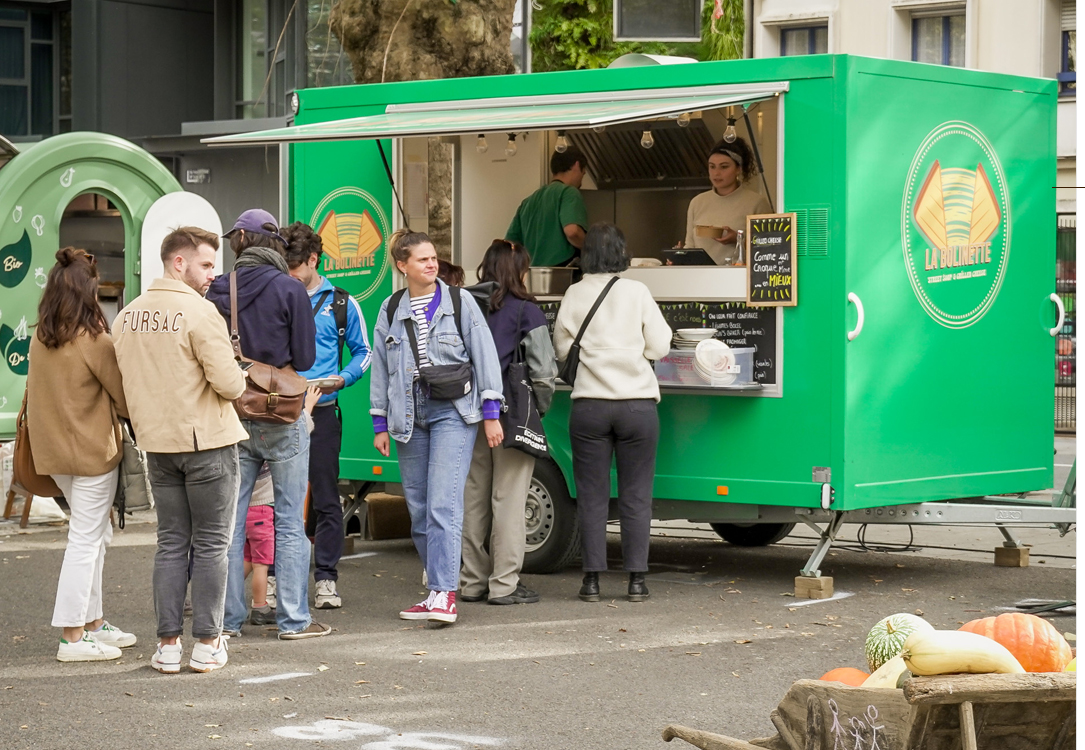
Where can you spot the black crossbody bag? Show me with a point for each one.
(521, 421)
(443, 382)
(567, 371)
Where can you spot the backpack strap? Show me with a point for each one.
(393, 305)
(340, 300)
(457, 306)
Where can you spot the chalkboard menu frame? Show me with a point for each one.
(772, 225)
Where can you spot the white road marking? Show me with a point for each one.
(336, 730)
(275, 678)
(358, 556)
(835, 597)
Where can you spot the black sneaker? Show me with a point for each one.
(520, 596)
(265, 616)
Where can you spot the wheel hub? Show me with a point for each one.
(538, 515)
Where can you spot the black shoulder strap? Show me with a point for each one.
(591, 312)
(457, 305)
(393, 305)
(319, 304)
(340, 299)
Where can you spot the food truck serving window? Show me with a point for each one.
(512, 114)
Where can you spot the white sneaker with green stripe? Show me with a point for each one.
(86, 649)
(112, 636)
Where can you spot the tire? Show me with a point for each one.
(752, 534)
(553, 530)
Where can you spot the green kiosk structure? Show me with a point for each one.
(904, 376)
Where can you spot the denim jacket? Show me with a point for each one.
(393, 371)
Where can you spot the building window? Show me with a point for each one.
(939, 40)
(1068, 70)
(35, 77)
(327, 64)
(804, 40)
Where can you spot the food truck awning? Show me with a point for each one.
(514, 114)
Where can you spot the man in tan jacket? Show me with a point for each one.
(180, 377)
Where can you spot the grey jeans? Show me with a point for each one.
(626, 432)
(195, 495)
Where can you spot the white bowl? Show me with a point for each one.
(713, 362)
(695, 334)
(645, 262)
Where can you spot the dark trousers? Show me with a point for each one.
(600, 430)
(324, 447)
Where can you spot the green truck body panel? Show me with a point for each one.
(911, 409)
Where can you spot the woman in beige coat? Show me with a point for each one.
(74, 397)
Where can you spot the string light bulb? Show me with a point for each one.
(646, 139)
(563, 143)
(683, 120)
(599, 128)
(730, 135)
(510, 147)
(481, 145)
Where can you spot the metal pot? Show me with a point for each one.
(545, 280)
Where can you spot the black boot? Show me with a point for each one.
(638, 589)
(589, 591)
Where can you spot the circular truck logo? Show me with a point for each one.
(955, 225)
(354, 232)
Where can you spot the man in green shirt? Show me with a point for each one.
(551, 222)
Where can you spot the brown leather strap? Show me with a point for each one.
(235, 337)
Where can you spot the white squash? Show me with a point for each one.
(887, 675)
(887, 637)
(955, 651)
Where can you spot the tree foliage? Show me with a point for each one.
(576, 34)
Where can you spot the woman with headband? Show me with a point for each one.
(727, 204)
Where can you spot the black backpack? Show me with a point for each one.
(340, 299)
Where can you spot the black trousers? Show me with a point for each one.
(324, 446)
(599, 431)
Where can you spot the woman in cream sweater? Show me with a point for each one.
(614, 405)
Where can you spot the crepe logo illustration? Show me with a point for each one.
(354, 231)
(955, 225)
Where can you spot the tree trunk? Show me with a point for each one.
(428, 39)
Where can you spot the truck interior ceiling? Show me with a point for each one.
(92, 222)
(641, 175)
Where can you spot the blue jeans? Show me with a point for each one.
(433, 465)
(286, 450)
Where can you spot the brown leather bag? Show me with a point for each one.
(23, 472)
(274, 395)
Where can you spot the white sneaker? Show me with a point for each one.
(271, 601)
(167, 658)
(112, 636)
(86, 649)
(206, 657)
(326, 595)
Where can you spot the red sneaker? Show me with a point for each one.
(443, 607)
(419, 611)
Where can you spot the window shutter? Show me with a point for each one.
(1069, 15)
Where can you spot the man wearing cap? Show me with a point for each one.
(275, 324)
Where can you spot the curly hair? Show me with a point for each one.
(69, 303)
(301, 244)
(740, 152)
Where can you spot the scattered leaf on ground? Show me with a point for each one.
(419, 653)
(693, 653)
(360, 663)
(743, 640)
(362, 682)
(323, 668)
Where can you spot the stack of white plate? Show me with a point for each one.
(714, 362)
(688, 338)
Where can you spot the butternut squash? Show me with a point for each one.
(954, 651)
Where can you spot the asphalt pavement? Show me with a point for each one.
(715, 647)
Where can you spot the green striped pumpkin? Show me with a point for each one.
(886, 639)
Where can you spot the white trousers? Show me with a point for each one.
(79, 591)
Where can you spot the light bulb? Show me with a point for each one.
(563, 143)
(730, 135)
(599, 128)
(683, 120)
(510, 147)
(481, 145)
(646, 139)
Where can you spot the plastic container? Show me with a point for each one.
(679, 368)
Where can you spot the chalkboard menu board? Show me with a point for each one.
(738, 325)
(771, 263)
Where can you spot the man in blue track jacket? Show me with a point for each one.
(339, 325)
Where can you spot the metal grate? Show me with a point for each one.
(813, 229)
(1066, 341)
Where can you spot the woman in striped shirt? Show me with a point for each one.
(434, 436)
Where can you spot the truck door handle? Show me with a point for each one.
(1062, 314)
(854, 299)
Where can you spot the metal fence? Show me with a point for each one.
(1066, 346)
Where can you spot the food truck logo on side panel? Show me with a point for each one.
(955, 225)
(354, 231)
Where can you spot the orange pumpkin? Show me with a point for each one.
(1032, 640)
(847, 675)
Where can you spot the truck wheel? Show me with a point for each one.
(553, 531)
(752, 534)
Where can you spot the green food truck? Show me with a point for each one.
(904, 359)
